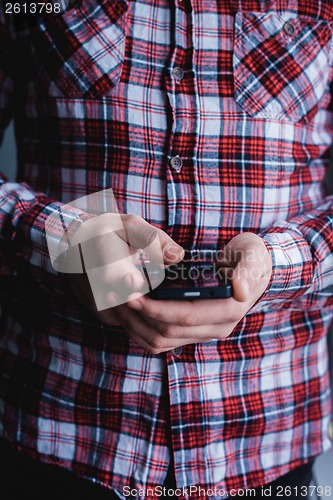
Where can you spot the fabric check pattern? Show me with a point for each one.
(99, 102)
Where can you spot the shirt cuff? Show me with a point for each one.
(292, 265)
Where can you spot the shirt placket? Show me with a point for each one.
(182, 93)
(183, 185)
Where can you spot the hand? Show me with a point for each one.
(104, 240)
(160, 326)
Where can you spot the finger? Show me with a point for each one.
(189, 313)
(155, 350)
(210, 331)
(116, 291)
(80, 286)
(108, 317)
(109, 265)
(115, 284)
(141, 234)
(248, 278)
(146, 336)
(249, 263)
(108, 251)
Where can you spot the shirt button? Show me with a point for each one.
(177, 73)
(176, 163)
(288, 28)
(176, 351)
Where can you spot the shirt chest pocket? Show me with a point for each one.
(281, 64)
(81, 50)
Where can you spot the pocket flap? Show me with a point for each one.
(82, 49)
(281, 64)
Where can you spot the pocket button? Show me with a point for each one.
(288, 28)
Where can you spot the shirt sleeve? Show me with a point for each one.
(302, 256)
(23, 212)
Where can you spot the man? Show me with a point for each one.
(211, 124)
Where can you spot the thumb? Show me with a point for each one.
(251, 267)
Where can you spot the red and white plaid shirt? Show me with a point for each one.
(104, 94)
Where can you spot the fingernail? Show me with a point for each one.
(173, 252)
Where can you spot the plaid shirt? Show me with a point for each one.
(105, 94)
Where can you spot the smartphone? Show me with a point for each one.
(192, 281)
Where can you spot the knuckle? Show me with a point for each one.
(108, 319)
(225, 333)
(146, 233)
(169, 331)
(154, 311)
(221, 333)
(151, 350)
(133, 219)
(112, 322)
(234, 314)
(233, 318)
(156, 343)
(154, 351)
(188, 319)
